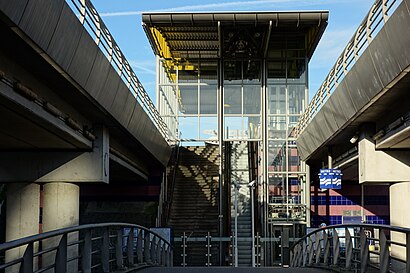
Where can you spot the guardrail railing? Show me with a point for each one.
(92, 22)
(378, 15)
(361, 247)
(90, 248)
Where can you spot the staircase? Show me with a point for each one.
(240, 175)
(194, 208)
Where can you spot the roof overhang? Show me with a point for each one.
(202, 35)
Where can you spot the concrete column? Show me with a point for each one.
(399, 214)
(61, 206)
(22, 216)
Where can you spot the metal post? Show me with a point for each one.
(252, 187)
(183, 250)
(86, 253)
(61, 256)
(236, 227)
(208, 248)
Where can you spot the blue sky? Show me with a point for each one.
(123, 18)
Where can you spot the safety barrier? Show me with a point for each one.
(90, 248)
(378, 15)
(361, 247)
(92, 22)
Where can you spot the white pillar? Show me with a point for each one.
(22, 216)
(399, 215)
(61, 206)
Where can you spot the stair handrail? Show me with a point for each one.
(334, 247)
(167, 189)
(131, 245)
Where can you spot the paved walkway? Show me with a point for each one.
(229, 270)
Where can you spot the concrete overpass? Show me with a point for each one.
(358, 121)
(72, 113)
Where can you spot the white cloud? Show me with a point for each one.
(146, 66)
(236, 5)
(330, 47)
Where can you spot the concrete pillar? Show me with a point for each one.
(399, 215)
(22, 216)
(61, 206)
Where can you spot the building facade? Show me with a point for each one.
(240, 81)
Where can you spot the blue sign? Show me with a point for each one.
(330, 179)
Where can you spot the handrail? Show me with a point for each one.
(367, 30)
(93, 23)
(353, 247)
(91, 246)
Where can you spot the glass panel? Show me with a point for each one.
(253, 127)
(188, 127)
(232, 72)
(296, 97)
(294, 189)
(252, 72)
(251, 99)
(208, 99)
(187, 72)
(209, 128)
(277, 188)
(293, 157)
(296, 71)
(233, 128)
(277, 127)
(208, 72)
(293, 120)
(276, 156)
(189, 99)
(233, 99)
(276, 71)
(277, 99)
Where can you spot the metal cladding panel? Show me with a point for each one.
(398, 29)
(345, 100)
(302, 150)
(99, 75)
(123, 105)
(384, 57)
(338, 115)
(329, 112)
(65, 39)
(13, 9)
(40, 19)
(136, 123)
(109, 90)
(83, 59)
(364, 82)
(325, 131)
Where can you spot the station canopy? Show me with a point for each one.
(256, 35)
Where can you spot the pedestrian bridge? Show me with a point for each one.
(119, 247)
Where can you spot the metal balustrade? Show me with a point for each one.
(90, 248)
(378, 15)
(361, 247)
(92, 22)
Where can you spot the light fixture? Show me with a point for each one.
(354, 138)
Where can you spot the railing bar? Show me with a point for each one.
(96, 238)
(74, 258)
(45, 268)
(45, 251)
(95, 266)
(95, 251)
(11, 263)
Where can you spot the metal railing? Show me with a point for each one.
(167, 188)
(92, 22)
(367, 30)
(105, 247)
(361, 247)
